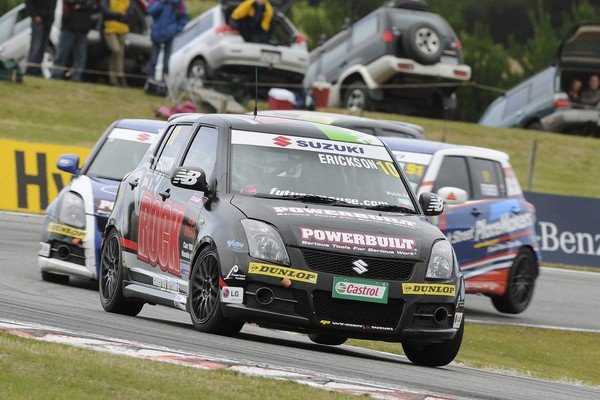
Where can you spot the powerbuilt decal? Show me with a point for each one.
(357, 241)
(349, 215)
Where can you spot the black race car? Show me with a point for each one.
(289, 224)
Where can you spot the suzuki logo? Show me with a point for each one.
(360, 267)
(143, 137)
(282, 141)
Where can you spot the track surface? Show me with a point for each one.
(561, 300)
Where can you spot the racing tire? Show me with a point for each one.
(327, 339)
(55, 278)
(520, 285)
(435, 354)
(423, 43)
(110, 281)
(204, 303)
(357, 98)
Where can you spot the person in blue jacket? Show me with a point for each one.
(168, 19)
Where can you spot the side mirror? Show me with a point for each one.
(190, 178)
(453, 195)
(68, 163)
(431, 204)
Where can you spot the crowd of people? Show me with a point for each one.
(252, 18)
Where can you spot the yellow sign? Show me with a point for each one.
(282, 272)
(30, 179)
(429, 289)
(66, 230)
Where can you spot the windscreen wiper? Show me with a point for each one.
(392, 208)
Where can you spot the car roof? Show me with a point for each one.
(347, 120)
(281, 126)
(146, 125)
(432, 147)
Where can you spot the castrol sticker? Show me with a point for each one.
(360, 289)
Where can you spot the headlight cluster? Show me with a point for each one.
(72, 211)
(264, 242)
(441, 262)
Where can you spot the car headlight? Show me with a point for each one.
(264, 242)
(441, 261)
(72, 211)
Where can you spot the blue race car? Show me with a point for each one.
(74, 221)
(487, 219)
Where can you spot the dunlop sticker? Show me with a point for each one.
(429, 289)
(282, 272)
(66, 230)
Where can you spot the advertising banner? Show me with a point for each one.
(568, 229)
(30, 179)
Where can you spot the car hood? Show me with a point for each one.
(344, 229)
(580, 46)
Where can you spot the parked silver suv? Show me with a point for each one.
(209, 49)
(394, 59)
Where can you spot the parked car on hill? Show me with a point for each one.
(284, 223)
(74, 221)
(375, 127)
(541, 101)
(487, 219)
(392, 60)
(15, 37)
(209, 49)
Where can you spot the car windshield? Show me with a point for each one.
(120, 153)
(414, 166)
(317, 171)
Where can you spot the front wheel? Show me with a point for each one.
(520, 285)
(435, 354)
(204, 297)
(111, 279)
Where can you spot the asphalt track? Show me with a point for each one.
(564, 299)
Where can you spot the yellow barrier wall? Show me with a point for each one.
(29, 179)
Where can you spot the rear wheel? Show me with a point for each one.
(204, 301)
(111, 279)
(520, 285)
(536, 126)
(327, 339)
(198, 72)
(435, 354)
(55, 278)
(357, 98)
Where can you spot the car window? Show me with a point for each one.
(172, 145)
(359, 175)
(488, 179)
(542, 84)
(453, 172)
(516, 101)
(364, 129)
(394, 133)
(203, 150)
(198, 28)
(364, 30)
(119, 154)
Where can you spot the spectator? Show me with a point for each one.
(76, 23)
(117, 14)
(42, 17)
(590, 96)
(252, 18)
(168, 19)
(574, 92)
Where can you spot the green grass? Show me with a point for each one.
(66, 113)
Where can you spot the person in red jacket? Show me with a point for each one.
(252, 18)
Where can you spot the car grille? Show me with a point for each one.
(101, 221)
(341, 264)
(356, 312)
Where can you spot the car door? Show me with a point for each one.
(156, 221)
